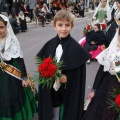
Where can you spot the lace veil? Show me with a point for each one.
(12, 46)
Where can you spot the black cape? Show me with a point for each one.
(74, 58)
(98, 37)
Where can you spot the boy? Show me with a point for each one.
(66, 103)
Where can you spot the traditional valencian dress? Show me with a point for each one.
(70, 96)
(101, 14)
(16, 102)
(104, 83)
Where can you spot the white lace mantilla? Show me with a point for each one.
(11, 51)
(11, 48)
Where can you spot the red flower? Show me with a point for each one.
(103, 26)
(88, 27)
(47, 68)
(117, 100)
(48, 60)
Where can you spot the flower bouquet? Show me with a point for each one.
(88, 28)
(115, 103)
(49, 71)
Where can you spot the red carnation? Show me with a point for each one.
(88, 27)
(48, 60)
(103, 26)
(117, 100)
(47, 68)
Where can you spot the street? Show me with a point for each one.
(36, 36)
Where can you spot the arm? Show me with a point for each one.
(25, 81)
(99, 77)
(22, 67)
(108, 23)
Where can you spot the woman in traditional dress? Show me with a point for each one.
(102, 14)
(104, 83)
(16, 98)
(113, 25)
(22, 21)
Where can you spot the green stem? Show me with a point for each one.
(118, 117)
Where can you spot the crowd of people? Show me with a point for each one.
(41, 10)
(17, 99)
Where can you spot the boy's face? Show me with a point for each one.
(63, 28)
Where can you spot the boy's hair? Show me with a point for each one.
(63, 15)
(5, 22)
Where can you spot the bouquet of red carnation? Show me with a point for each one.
(115, 103)
(88, 28)
(48, 70)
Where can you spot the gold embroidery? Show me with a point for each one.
(15, 72)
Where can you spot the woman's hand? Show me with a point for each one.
(103, 47)
(25, 83)
(63, 79)
(91, 95)
(106, 20)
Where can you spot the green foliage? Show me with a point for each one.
(112, 103)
